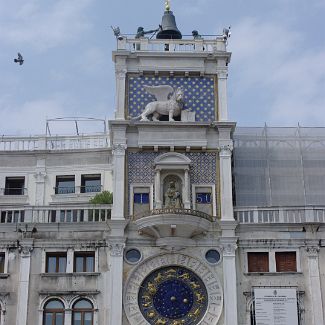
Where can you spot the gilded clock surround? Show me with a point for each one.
(144, 288)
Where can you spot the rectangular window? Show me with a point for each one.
(286, 261)
(90, 183)
(84, 262)
(15, 186)
(258, 261)
(2, 262)
(65, 184)
(56, 262)
(141, 200)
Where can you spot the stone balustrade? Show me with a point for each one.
(183, 45)
(55, 214)
(34, 143)
(291, 215)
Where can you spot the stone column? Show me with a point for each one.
(25, 250)
(187, 202)
(116, 281)
(315, 285)
(229, 278)
(120, 75)
(158, 202)
(40, 177)
(119, 180)
(222, 96)
(227, 211)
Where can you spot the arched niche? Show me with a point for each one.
(172, 166)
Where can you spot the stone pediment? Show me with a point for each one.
(171, 159)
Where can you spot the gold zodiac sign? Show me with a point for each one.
(195, 313)
(152, 288)
(151, 314)
(147, 301)
(161, 321)
(170, 273)
(158, 278)
(199, 297)
(194, 285)
(178, 322)
(184, 276)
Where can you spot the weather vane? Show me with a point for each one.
(167, 5)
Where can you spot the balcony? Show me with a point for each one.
(166, 45)
(173, 225)
(55, 214)
(280, 215)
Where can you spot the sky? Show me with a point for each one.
(276, 74)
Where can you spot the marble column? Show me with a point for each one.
(222, 96)
(187, 202)
(116, 281)
(119, 180)
(158, 202)
(25, 250)
(120, 75)
(315, 285)
(229, 278)
(227, 211)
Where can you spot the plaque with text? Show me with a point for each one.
(275, 306)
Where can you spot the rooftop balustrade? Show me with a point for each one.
(54, 143)
(55, 214)
(288, 215)
(172, 45)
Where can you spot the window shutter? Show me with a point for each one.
(286, 261)
(258, 262)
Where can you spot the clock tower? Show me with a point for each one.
(173, 207)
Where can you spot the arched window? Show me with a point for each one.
(53, 313)
(83, 313)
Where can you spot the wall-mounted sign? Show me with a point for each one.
(275, 306)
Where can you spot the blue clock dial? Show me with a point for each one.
(173, 296)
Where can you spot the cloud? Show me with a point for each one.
(30, 117)
(273, 63)
(43, 26)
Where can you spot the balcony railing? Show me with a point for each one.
(13, 191)
(183, 45)
(54, 143)
(78, 189)
(292, 215)
(176, 211)
(54, 214)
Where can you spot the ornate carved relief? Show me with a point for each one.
(118, 149)
(116, 249)
(312, 251)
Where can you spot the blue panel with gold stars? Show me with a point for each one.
(173, 295)
(199, 94)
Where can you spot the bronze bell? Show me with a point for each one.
(168, 28)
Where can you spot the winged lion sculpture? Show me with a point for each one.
(169, 102)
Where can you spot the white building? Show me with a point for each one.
(210, 224)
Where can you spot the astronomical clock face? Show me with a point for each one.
(173, 295)
(172, 289)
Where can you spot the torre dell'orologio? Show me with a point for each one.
(174, 216)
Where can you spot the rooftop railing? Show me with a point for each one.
(53, 143)
(183, 45)
(291, 215)
(55, 214)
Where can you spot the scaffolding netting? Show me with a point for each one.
(279, 166)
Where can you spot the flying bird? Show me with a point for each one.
(20, 59)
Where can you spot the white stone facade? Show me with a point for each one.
(40, 224)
